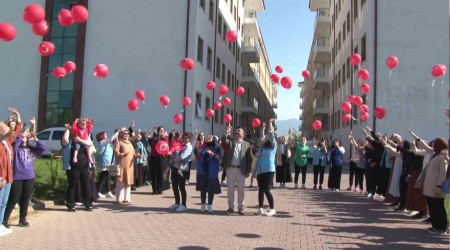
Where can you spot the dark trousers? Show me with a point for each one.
(437, 213)
(140, 179)
(352, 173)
(156, 173)
(334, 177)
(371, 177)
(20, 192)
(304, 170)
(403, 189)
(75, 174)
(179, 186)
(203, 197)
(146, 176)
(224, 175)
(359, 182)
(104, 179)
(264, 184)
(188, 173)
(383, 181)
(318, 170)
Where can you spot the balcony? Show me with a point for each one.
(322, 50)
(301, 84)
(251, 27)
(321, 78)
(250, 78)
(249, 106)
(250, 50)
(322, 24)
(315, 5)
(302, 93)
(301, 117)
(302, 105)
(256, 5)
(320, 107)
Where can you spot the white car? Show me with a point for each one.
(52, 139)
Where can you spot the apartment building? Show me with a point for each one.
(415, 31)
(142, 42)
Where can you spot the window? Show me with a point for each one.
(198, 105)
(216, 116)
(363, 48)
(231, 6)
(336, 10)
(233, 50)
(339, 5)
(44, 135)
(202, 5)
(339, 41)
(339, 119)
(332, 123)
(333, 21)
(211, 11)
(355, 51)
(348, 67)
(238, 51)
(218, 68)
(209, 59)
(200, 50)
(219, 25)
(343, 32)
(232, 82)
(224, 31)
(355, 9)
(228, 79)
(239, 24)
(229, 46)
(221, 115)
(57, 135)
(223, 73)
(348, 22)
(235, 14)
(207, 106)
(339, 79)
(343, 73)
(362, 3)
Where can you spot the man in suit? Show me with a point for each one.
(237, 162)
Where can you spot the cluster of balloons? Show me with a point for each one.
(133, 104)
(78, 14)
(286, 81)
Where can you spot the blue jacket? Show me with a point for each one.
(66, 155)
(143, 152)
(213, 162)
(105, 154)
(266, 157)
(336, 156)
(319, 154)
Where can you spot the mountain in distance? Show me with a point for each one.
(283, 126)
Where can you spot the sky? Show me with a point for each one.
(287, 28)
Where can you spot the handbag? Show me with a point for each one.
(114, 170)
(445, 188)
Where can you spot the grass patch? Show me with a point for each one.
(51, 180)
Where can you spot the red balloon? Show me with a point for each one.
(392, 62)
(351, 98)
(347, 118)
(437, 71)
(59, 72)
(210, 85)
(226, 101)
(41, 28)
(286, 82)
(140, 95)
(162, 147)
(364, 116)
(65, 17)
(187, 63)
(228, 118)
(379, 112)
(177, 119)
(79, 13)
(46, 48)
(133, 104)
(70, 66)
(223, 90)
(33, 13)
(231, 36)
(101, 71)
(275, 78)
(209, 113)
(187, 101)
(346, 107)
(217, 105)
(365, 88)
(7, 32)
(279, 69)
(358, 100)
(306, 74)
(256, 123)
(317, 125)
(164, 100)
(355, 59)
(363, 74)
(444, 68)
(364, 108)
(240, 91)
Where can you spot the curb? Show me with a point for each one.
(38, 205)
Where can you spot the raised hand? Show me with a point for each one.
(32, 120)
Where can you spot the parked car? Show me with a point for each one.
(52, 139)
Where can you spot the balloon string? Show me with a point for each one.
(432, 83)
(390, 72)
(443, 77)
(220, 98)
(144, 102)
(165, 107)
(181, 111)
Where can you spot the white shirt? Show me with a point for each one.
(236, 161)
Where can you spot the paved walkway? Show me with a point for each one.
(306, 219)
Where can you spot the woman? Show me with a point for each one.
(157, 161)
(124, 153)
(319, 162)
(394, 187)
(361, 163)
(265, 169)
(208, 172)
(142, 161)
(105, 160)
(283, 154)
(371, 169)
(301, 161)
(23, 173)
(336, 159)
(353, 166)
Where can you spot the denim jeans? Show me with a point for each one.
(4, 195)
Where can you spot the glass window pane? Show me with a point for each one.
(66, 58)
(57, 135)
(53, 62)
(69, 45)
(67, 82)
(57, 6)
(65, 116)
(71, 31)
(44, 135)
(53, 83)
(58, 42)
(56, 29)
(51, 115)
(52, 97)
(65, 99)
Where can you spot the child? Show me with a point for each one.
(254, 159)
(82, 128)
(177, 146)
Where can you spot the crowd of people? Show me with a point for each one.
(407, 174)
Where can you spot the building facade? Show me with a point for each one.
(415, 31)
(142, 42)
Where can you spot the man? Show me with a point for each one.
(237, 162)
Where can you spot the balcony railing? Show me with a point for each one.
(320, 103)
(323, 12)
(252, 102)
(250, 72)
(250, 14)
(322, 71)
(323, 41)
(251, 42)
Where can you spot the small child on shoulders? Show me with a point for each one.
(82, 128)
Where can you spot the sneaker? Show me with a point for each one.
(5, 224)
(16, 206)
(133, 188)
(110, 195)
(187, 182)
(414, 213)
(230, 211)
(281, 185)
(79, 204)
(174, 206)
(210, 209)
(296, 186)
(181, 209)
(203, 208)
(337, 189)
(24, 223)
(4, 231)
(261, 211)
(89, 209)
(223, 184)
(241, 212)
(101, 195)
(370, 196)
(436, 231)
(349, 189)
(271, 212)
(303, 186)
